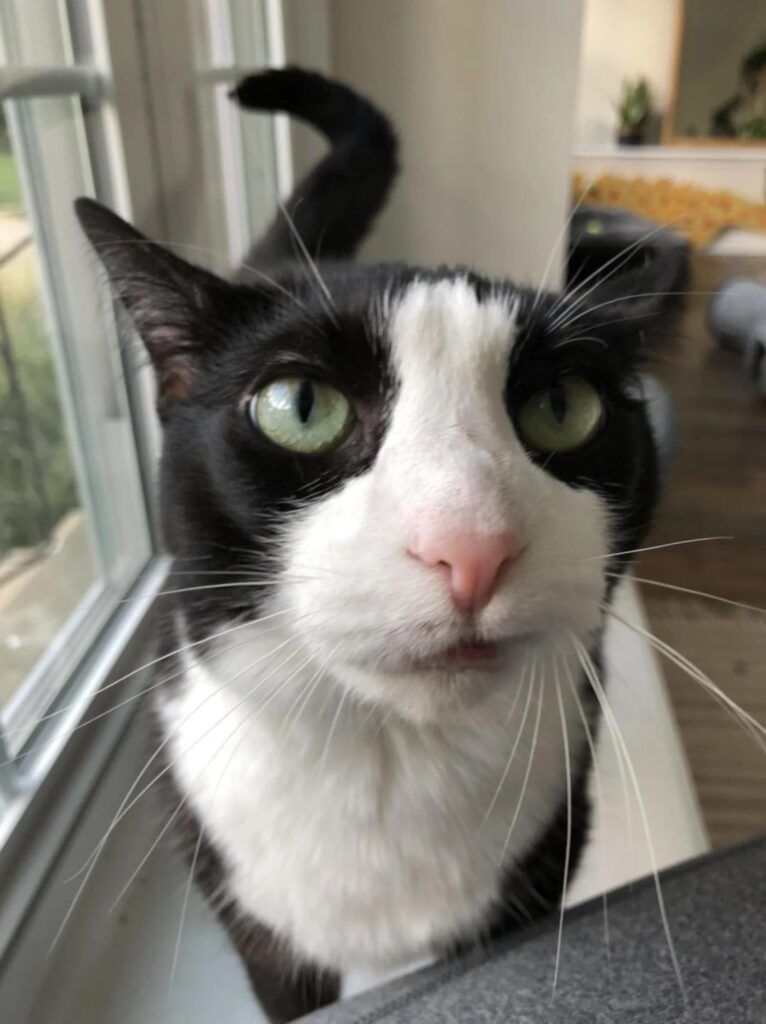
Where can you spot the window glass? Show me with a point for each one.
(36, 32)
(73, 522)
(46, 559)
(242, 165)
(250, 50)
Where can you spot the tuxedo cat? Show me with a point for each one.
(395, 498)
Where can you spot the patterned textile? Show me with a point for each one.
(699, 214)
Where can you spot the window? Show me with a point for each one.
(74, 531)
(232, 38)
(123, 100)
(47, 560)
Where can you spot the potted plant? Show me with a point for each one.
(633, 112)
(754, 129)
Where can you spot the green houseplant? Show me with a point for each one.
(754, 129)
(633, 111)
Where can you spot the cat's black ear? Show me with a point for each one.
(168, 300)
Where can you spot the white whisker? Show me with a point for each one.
(519, 733)
(567, 855)
(122, 810)
(619, 259)
(307, 692)
(157, 840)
(156, 661)
(201, 587)
(533, 747)
(592, 675)
(189, 883)
(600, 802)
(695, 593)
(325, 291)
(654, 547)
(555, 247)
(247, 721)
(629, 295)
(755, 729)
(139, 693)
(238, 704)
(331, 731)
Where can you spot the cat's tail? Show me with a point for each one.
(333, 207)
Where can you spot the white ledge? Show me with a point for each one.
(611, 151)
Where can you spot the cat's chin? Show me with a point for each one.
(448, 682)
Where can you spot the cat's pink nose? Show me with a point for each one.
(475, 563)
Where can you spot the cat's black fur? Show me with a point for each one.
(224, 487)
(333, 208)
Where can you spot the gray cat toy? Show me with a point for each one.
(737, 319)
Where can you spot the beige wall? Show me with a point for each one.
(622, 39)
(482, 94)
(307, 42)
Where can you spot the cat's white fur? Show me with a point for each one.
(362, 804)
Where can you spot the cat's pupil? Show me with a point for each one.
(558, 400)
(305, 401)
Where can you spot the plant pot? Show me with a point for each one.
(630, 137)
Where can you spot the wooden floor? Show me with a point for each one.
(717, 486)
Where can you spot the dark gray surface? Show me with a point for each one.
(717, 912)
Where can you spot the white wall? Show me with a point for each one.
(622, 39)
(482, 95)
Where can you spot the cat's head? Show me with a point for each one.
(424, 477)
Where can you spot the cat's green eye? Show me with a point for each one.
(562, 417)
(301, 415)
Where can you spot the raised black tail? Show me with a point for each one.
(335, 204)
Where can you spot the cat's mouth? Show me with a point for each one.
(469, 653)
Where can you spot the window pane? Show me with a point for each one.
(46, 561)
(73, 529)
(240, 147)
(36, 32)
(250, 50)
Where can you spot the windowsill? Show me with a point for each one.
(610, 150)
(58, 776)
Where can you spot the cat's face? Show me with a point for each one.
(455, 552)
(423, 475)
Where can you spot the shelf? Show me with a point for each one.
(727, 154)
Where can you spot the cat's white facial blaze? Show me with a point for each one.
(450, 461)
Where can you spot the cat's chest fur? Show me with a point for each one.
(365, 841)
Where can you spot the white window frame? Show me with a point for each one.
(112, 636)
(123, 548)
(45, 790)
